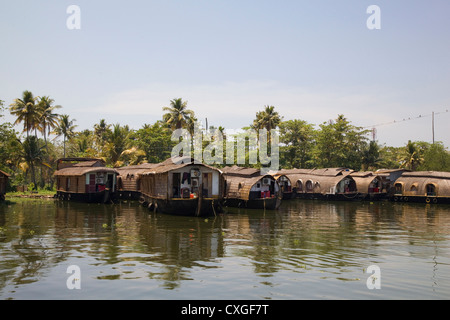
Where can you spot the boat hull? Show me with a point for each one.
(261, 203)
(182, 206)
(332, 197)
(421, 199)
(98, 197)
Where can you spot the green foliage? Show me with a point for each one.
(155, 141)
(435, 157)
(339, 144)
(32, 161)
(298, 140)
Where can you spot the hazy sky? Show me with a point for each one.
(312, 60)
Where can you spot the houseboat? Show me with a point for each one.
(182, 186)
(3, 183)
(129, 180)
(327, 184)
(248, 188)
(423, 186)
(85, 179)
(388, 178)
(285, 184)
(369, 186)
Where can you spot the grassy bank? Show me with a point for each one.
(31, 194)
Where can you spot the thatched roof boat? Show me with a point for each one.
(369, 185)
(3, 183)
(423, 186)
(182, 186)
(85, 179)
(129, 180)
(327, 183)
(246, 187)
(286, 185)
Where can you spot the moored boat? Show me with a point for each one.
(182, 186)
(85, 180)
(369, 185)
(422, 186)
(248, 188)
(326, 184)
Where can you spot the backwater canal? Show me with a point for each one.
(305, 250)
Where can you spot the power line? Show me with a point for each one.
(406, 119)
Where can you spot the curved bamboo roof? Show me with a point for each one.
(136, 169)
(79, 171)
(363, 180)
(415, 183)
(173, 164)
(239, 186)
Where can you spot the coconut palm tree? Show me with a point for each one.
(118, 142)
(411, 156)
(33, 155)
(65, 128)
(178, 115)
(101, 131)
(26, 111)
(268, 119)
(48, 119)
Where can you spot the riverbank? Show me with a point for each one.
(40, 194)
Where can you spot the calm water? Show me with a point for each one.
(305, 250)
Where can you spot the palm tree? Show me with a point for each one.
(101, 130)
(411, 156)
(178, 115)
(26, 111)
(33, 155)
(370, 156)
(268, 119)
(65, 128)
(48, 119)
(119, 141)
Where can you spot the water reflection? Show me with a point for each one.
(264, 254)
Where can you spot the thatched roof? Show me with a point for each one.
(316, 172)
(320, 183)
(241, 171)
(136, 169)
(331, 172)
(173, 164)
(294, 171)
(79, 171)
(239, 186)
(415, 183)
(363, 180)
(79, 162)
(428, 174)
(86, 165)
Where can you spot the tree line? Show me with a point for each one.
(30, 155)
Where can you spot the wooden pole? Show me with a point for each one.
(432, 124)
(200, 198)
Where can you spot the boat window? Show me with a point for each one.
(398, 188)
(309, 185)
(300, 185)
(414, 187)
(431, 190)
